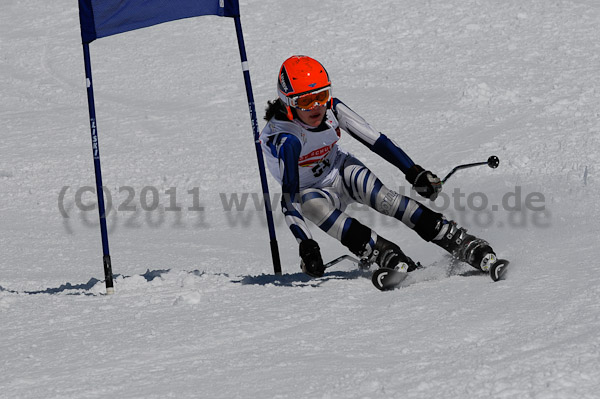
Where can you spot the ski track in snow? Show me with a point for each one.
(197, 312)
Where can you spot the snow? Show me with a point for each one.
(197, 311)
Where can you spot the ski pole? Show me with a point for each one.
(339, 259)
(492, 162)
(361, 263)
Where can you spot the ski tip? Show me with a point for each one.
(499, 269)
(378, 278)
(387, 279)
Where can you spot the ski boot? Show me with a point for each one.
(388, 255)
(465, 247)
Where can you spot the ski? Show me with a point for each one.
(387, 279)
(498, 269)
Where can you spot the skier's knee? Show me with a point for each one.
(315, 204)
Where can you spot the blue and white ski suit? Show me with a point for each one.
(319, 179)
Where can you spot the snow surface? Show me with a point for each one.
(197, 312)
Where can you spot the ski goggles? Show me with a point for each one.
(311, 99)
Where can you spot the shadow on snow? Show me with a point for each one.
(300, 279)
(85, 288)
(449, 268)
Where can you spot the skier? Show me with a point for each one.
(319, 179)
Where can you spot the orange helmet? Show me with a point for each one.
(303, 83)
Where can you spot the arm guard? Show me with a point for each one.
(288, 151)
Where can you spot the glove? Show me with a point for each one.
(424, 182)
(312, 263)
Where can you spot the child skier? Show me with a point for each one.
(319, 179)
